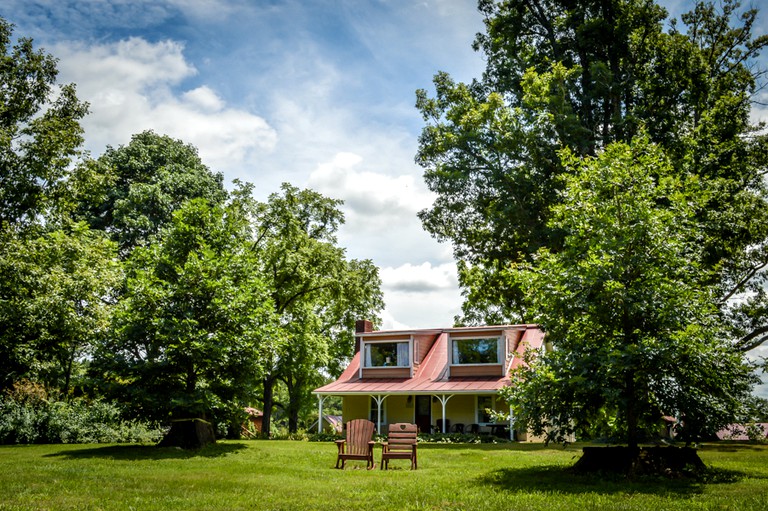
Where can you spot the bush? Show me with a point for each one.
(462, 438)
(27, 416)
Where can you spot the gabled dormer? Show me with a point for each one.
(393, 354)
(481, 351)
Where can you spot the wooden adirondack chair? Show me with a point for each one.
(358, 444)
(400, 444)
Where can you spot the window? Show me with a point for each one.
(484, 404)
(387, 354)
(476, 351)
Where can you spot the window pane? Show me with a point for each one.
(387, 354)
(476, 351)
(484, 403)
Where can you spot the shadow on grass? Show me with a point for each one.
(559, 479)
(733, 446)
(149, 452)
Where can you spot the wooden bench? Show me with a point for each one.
(400, 444)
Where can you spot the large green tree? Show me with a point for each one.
(317, 293)
(40, 132)
(635, 334)
(57, 293)
(580, 75)
(196, 322)
(57, 279)
(131, 192)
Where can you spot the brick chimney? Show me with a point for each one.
(362, 326)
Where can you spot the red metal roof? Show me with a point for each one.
(431, 376)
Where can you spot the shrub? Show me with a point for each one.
(28, 416)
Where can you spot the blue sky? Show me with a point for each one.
(319, 93)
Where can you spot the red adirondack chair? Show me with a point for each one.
(358, 444)
(400, 444)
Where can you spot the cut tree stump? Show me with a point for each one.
(189, 434)
(666, 461)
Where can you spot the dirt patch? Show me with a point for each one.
(671, 462)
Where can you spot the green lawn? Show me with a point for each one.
(266, 475)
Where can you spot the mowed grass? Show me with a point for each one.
(272, 475)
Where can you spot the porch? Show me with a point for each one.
(432, 412)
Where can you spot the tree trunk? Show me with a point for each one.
(268, 399)
(632, 419)
(295, 388)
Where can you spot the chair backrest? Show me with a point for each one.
(402, 435)
(359, 433)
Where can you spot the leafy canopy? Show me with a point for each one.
(40, 133)
(193, 327)
(635, 335)
(581, 75)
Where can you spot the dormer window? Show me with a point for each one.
(387, 354)
(478, 351)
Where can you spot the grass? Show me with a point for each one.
(271, 475)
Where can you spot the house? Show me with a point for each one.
(443, 380)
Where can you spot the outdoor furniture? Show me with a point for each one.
(400, 444)
(457, 428)
(473, 429)
(358, 444)
(499, 430)
(440, 428)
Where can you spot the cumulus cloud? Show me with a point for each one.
(421, 296)
(422, 278)
(132, 85)
(370, 197)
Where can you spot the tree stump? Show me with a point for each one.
(667, 461)
(189, 434)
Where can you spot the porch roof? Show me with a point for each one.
(431, 376)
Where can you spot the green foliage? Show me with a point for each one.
(39, 133)
(196, 323)
(131, 192)
(580, 75)
(317, 294)
(27, 416)
(634, 331)
(57, 293)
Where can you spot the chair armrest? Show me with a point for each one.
(340, 445)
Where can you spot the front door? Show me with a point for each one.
(424, 413)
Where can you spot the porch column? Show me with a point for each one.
(320, 400)
(443, 400)
(379, 401)
(511, 424)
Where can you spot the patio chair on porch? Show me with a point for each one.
(358, 444)
(400, 444)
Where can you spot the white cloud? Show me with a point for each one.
(204, 98)
(420, 278)
(421, 296)
(132, 86)
(372, 198)
(418, 274)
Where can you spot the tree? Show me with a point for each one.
(131, 192)
(581, 75)
(316, 292)
(40, 132)
(635, 334)
(321, 333)
(196, 321)
(56, 298)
